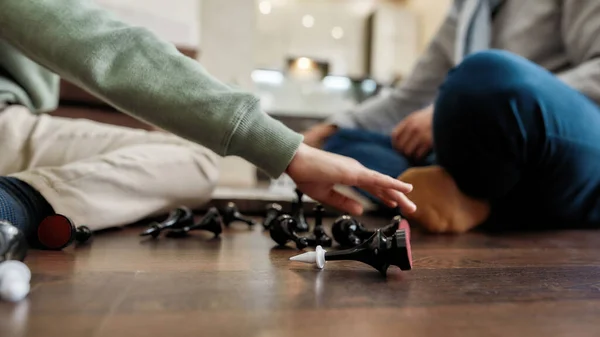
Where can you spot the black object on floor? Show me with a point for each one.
(319, 237)
(349, 232)
(298, 213)
(231, 214)
(380, 251)
(178, 218)
(284, 230)
(210, 222)
(57, 231)
(274, 210)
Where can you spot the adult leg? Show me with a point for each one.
(103, 175)
(512, 135)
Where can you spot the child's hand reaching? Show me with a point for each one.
(316, 172)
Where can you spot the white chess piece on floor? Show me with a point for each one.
(15, 277)
(317, 257)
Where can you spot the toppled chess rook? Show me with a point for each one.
(349, 232)
(57, 232)
(298, 212)
(319, 237)
(211, 222)
(232, 214)
(178, 218)
(274, 210)
(15, 276)
(284, 230)
(380, 251)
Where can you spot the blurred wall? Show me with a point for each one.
(430, 15)
(227, 40)
(176, 21)
(331, 31)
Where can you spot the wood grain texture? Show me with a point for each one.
(528, 284)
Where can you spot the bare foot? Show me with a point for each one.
(441, 206)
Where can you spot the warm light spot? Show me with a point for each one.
(265, 7)
(308, 21)
(304, 63)
(337, 33)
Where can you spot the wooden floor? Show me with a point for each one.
(240, 285)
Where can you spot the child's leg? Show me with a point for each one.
(510, 133)
(102, 175)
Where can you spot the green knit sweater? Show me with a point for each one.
(137, 73)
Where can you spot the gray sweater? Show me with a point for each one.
(562, 36)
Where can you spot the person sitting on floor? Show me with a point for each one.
(498, 125)
(105, 176)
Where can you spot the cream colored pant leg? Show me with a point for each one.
(102, 175)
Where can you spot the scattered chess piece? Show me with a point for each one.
(283, 230)
(231, 214)
(57, 231)
(210, 222)
(319, 237)
(273, 212)
(15, 276)
(379, 251)
(178, 218)
(349, 232)
(13, 244)
(298, 212)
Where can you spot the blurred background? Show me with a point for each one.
(308, 58)
(305, 59)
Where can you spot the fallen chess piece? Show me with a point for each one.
(319, 237)
(210, 222)
(273, 212)
(349, 232)
(231, 214)
(298, 212)
(379, 251)
(284, 230)
(15, 276)
(57, 231)
(178, 218)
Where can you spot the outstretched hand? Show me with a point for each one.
(316, 172)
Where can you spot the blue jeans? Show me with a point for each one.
(374, 151)
(512, 133)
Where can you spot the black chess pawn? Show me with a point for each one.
(283, 230)
(273, 212)
(380, 251)
(298, 212)
(211, 222)
(178, 218)
(319, 237)
(232, 214)
(349, 232)
(57, 231)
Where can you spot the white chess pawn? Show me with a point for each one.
(14, 280)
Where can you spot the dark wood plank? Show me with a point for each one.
(527, 284)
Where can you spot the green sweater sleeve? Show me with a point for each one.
(134, 71)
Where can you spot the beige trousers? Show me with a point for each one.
(102, 175)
